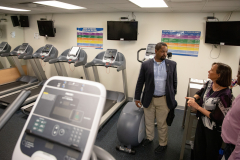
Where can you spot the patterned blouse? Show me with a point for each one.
(218, 103)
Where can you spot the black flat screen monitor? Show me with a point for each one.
(225, 33)
(46, 28)
(122, 30)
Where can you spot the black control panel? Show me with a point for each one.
(22, 49)
(61, 122)
(3, 45)
(110, 54)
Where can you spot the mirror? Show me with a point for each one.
(14, 36)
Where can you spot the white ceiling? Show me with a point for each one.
(125, 6)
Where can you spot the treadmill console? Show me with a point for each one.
(2, 46)
(22, 49)
(64, 121)
(73, 53)
(46, 50)
(150, 51)
(110, 55)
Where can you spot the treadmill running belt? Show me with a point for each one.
(108, 105)
(10, 99)
(11, 85)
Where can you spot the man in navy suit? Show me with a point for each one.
(159, 75)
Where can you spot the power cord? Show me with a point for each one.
(70, 68)
(133, 16)
(230, 16)
(218, 53)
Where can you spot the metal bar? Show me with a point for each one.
(125, 87)
(13, 107)
(187, 118)
(63, 69)
(35, 70)
(18, 65)
(40, 69)
(58, 69)
(95, 72)
(86, 73)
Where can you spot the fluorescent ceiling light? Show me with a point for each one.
(13, 9)
(59, 4)
(149, 3)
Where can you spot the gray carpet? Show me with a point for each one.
(107, 139)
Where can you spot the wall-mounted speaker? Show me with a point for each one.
(24, 21)
(15, 21)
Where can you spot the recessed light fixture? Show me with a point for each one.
(59, 4)
(149, 3)
(13, 9)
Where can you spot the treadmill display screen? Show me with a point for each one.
(46, 50)
(2, 46)
(23, 48)
(110, 54)
(150, 49)
(74, 51)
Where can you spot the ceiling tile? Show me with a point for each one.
(219, 9)
(186, 4)
(223, 4)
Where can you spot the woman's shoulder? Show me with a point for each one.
(226, 94)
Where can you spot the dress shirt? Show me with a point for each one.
(160, 77)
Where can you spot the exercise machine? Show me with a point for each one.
(64, 122)
(49, 133)
(74, 55)
(114, 100)
(24, 81)
(46, 53)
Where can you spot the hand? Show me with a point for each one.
(138, 104)
(191, 103)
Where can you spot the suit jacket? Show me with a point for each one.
(146, 77)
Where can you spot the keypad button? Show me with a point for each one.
(37, 120)
(42, 126)
(34, 128)
(61, 132)
(43, 122)
(36, 124)
(56, 127)
(40, 130)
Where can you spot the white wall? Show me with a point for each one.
(150, 29)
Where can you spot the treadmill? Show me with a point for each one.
(74, 55)
(4, 48)
(111, 58)
(24, 81)
(46, 53)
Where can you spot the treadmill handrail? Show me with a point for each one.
(11, 109)
(138, 55)
(120, 66)
(51, 61)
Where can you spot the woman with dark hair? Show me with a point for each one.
(215, 101)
